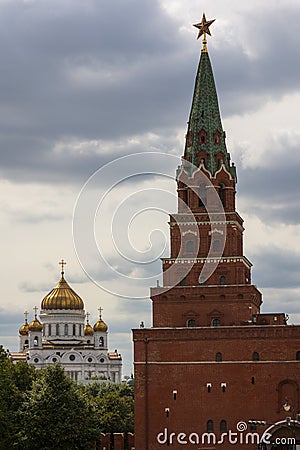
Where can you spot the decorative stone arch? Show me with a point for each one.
(190, 319)
(72, 356)
(90, 359)
(53, 359)
(215, 318)
(288, 391)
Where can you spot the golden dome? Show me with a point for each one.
(23, 331)
(88, 330)
(100, 326)
(62, 297)
(35, 325)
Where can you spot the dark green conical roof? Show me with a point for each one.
(205, 131)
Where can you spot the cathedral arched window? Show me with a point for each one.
(202, 197)
(57, 329)
(190, 246)
(36, 341)
(298, 355)
(210, 426)
(223, 426)
(49, 330)
(255, 356)
(101, 342)
(191, 323)
(74, 329)
(26, 344)
(218, 357)
(66, 329)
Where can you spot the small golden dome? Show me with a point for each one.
(62, 297)
(100, 326)
(35, 325)
(88, 330)
(23, 331)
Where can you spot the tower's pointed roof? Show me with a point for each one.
(205, 135)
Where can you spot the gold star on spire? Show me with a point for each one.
(203, 28)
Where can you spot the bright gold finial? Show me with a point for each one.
(100, 312)
(35, 309)
(203, 28)
(62, 263)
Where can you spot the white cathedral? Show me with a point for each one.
(62, 336)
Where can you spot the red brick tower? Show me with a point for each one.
(211, 359)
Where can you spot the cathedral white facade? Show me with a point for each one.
(63, 334)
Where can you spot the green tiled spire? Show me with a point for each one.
(205, 137)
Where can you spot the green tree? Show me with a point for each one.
(55, 414)
(113, 405)
(15, 379)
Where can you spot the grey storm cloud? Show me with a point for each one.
(109, 70)
(276, 268)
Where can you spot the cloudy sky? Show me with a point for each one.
(85, 83)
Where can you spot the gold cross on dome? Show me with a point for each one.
(100, 312)
(35, 309)
(62, 263)
(87, 317)
(26, 315)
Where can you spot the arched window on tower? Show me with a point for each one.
(74, 329)
(66, 329)
(255, 356)
(217, 138)
(191, 323)
(190, 246)
(216, 245)
(36, 341)
(218, 357)
(57, 329)
(222, 194)
(223, 426)
(202, 198)
(101, 342)
(222, 280)
(215, 322)
(49, 330)
(202, 137)
(210, 426)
